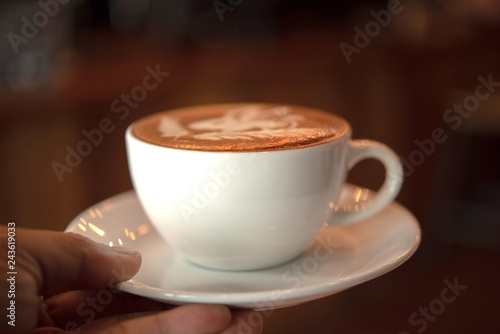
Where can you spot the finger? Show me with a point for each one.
(84, 306)
(245, 321)
(49, 330)
(194, 318)
(44, 318)
(66, 261)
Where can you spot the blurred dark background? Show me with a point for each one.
(397, 70)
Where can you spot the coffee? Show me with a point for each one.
(240, 127)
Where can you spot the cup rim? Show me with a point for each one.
(344, 133)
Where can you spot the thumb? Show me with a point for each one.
(66, 261)
(47, 263)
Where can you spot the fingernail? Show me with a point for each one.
(124, 250)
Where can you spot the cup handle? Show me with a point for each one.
(364, 149)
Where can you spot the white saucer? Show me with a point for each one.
(342, 257)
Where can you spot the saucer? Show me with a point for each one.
(340, 258)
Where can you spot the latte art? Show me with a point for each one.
(240, 127)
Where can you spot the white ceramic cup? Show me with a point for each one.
(252, 210)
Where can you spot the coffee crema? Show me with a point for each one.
(240, 127)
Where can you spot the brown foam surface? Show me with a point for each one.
(240, 127)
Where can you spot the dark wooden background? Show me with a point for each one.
(395, 90)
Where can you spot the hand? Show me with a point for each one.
(62, 284)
